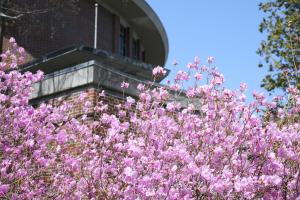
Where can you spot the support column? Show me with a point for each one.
(96, 26)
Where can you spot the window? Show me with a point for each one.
(123, 41)
(144, 56)
(135, 49)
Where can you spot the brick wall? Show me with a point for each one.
(58, 28)
(92, 96)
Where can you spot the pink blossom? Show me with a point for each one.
(122, 113)
(158, 71)
(192, 66)
(21, 50)
(197, 60)
(159, 145)
(243, 87)
(141, 87)
(4, 188)
(124, 85)
(292, 90)
(130, 100)
(13, 65)
(206, 173)
(198, 76)
(191, 92)
(217, 80)
(175, 87)
(128, 171)
(182, 76)
(204, 68)
(62, 137)
(102, 93)
(12, 40)
(210, 59)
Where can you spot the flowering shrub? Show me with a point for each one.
(216, 146)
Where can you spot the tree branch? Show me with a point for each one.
(10, 17)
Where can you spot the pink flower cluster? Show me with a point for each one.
(158, 71)
(124, 85)
(213, 146)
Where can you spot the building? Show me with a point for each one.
(91, 46)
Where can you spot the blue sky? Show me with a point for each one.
(226, 30)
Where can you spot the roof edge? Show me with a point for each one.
(146, 8)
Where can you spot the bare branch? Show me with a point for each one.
(25, 11)
(10, 17)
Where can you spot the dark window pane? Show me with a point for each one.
(144, 56)
(123, 41)
(136, 49)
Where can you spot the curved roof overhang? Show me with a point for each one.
(144, 21)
